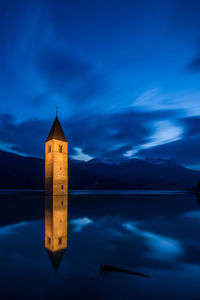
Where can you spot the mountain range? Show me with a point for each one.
(18, 172)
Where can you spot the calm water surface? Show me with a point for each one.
(157, 234)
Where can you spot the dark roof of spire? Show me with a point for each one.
(56, 132)
(55, 257)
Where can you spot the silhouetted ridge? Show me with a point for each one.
(28, 173)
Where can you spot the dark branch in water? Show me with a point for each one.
(105, 269)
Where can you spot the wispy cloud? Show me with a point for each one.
(80, 223)
(80, 155)
(10, 229)
(161, 246)
(193, 214)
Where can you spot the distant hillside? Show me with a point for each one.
(21, 172)
(28, 173)
(131, 174)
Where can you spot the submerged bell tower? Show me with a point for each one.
(56, 161)
(56, 188)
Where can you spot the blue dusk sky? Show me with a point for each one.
(125, 76)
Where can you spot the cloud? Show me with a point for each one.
(10, 229)
(71, 76)
(80, 155)
(110, 135)
(185, 16)
(194, 65)
(161, 246)
(191, 126)
(44, 69)
(60, 68)
(90, 88)
(27, 137)
(193, 214)
(164, 132)
(80, 223)
(94, 135)
(185, 150)
(129, 132)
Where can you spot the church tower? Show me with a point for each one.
(56, 161)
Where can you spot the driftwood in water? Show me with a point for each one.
(105, 269)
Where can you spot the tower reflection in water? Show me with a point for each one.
(56, 211)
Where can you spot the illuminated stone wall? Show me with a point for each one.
(49, 168)
(56, 167)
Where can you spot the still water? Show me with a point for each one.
(156, 234)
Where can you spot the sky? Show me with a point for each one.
(124, 75)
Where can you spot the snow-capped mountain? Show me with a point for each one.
(150, 173)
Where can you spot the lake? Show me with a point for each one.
(153, 233)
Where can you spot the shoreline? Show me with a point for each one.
(104, 192)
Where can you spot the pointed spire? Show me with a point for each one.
(55, 257)
(56, 131)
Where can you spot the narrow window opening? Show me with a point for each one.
(62, 203)
(59, 241)
(62, 187)
(60, 148)
(48, 241)
(49, 148)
